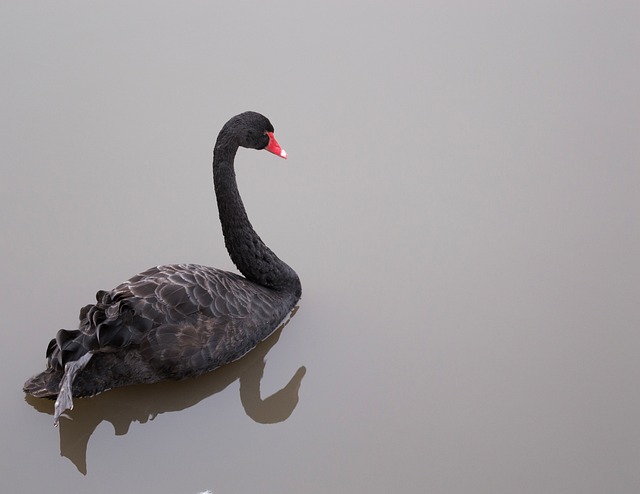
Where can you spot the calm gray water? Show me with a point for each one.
(461, 203)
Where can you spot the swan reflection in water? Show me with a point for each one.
(144, 402)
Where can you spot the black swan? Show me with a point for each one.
(179, 320)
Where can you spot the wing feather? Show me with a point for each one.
(182, 319)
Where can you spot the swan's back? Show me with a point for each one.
(168, 322)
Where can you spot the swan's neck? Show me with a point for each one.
(247, 250)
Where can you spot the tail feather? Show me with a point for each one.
(44, 385)
(107, 325)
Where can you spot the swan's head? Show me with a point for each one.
(253, 130)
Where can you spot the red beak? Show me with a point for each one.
(274, 147)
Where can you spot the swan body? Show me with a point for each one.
(179, 320)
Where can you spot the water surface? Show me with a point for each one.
(460, 202)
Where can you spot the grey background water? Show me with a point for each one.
(461, 202)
